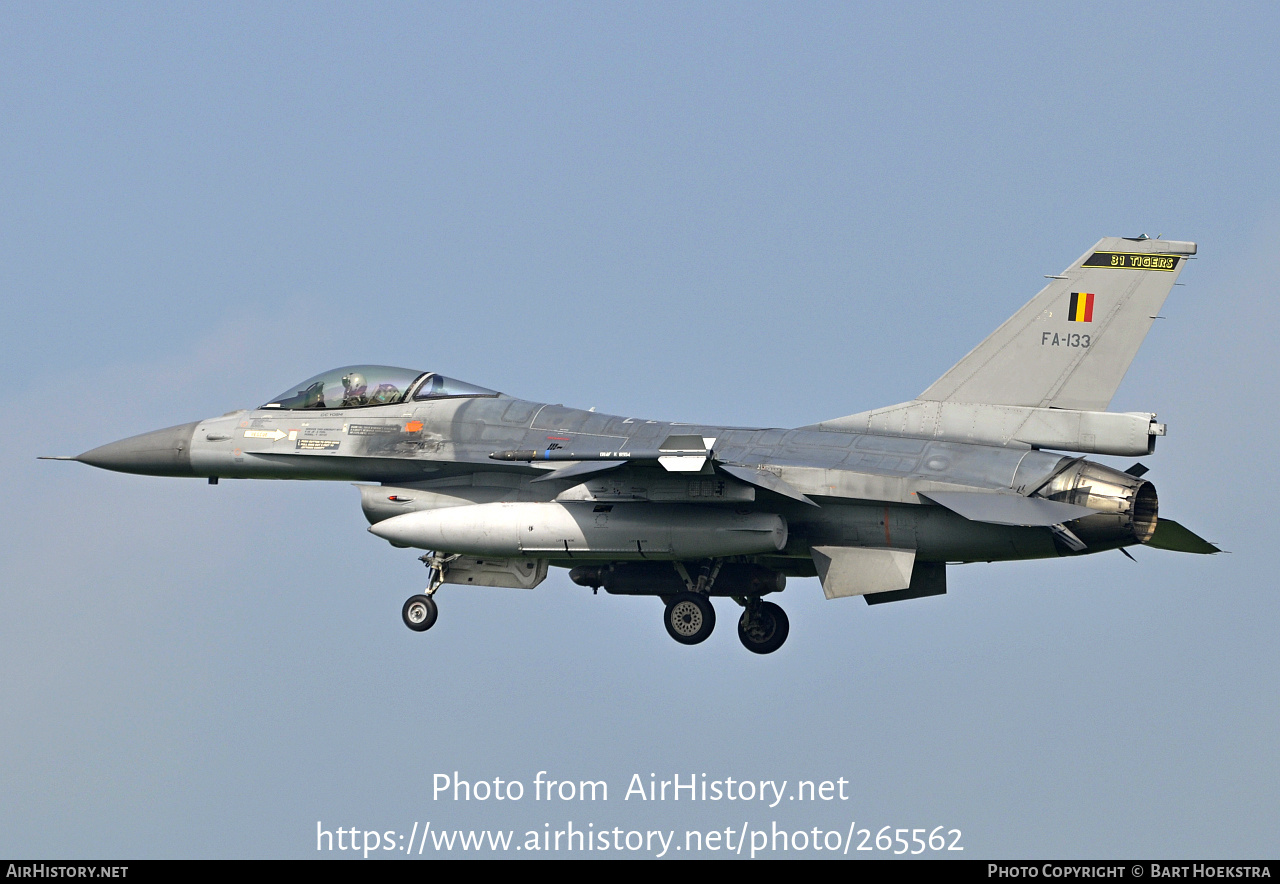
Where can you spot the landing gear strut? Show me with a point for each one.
(763, 626)
(420, 611)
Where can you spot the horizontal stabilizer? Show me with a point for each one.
(766, 480)
(1008, 509)
(1170, 535)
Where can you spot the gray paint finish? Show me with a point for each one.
(955, 476)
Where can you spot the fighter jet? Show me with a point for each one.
(988, 464)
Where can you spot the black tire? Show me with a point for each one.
(419, 613)
(689, 618)
(769, 632)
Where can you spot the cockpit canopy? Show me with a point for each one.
(358, 386)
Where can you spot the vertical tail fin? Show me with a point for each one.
(1070, 346)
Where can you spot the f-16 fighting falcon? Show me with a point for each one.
(988, 464)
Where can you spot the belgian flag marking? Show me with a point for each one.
(1081, 307)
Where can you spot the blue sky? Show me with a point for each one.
(748, 214)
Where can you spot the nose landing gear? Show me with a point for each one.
(420, 611)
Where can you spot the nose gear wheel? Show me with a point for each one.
(419, 613)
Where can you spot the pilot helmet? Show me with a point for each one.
(354, 383)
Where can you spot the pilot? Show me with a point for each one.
(386, 393)
(353, 389)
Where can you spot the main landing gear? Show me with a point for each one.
(420, 611)
(690, 618)
(763, 626)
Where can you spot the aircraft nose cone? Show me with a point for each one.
(164, 452)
